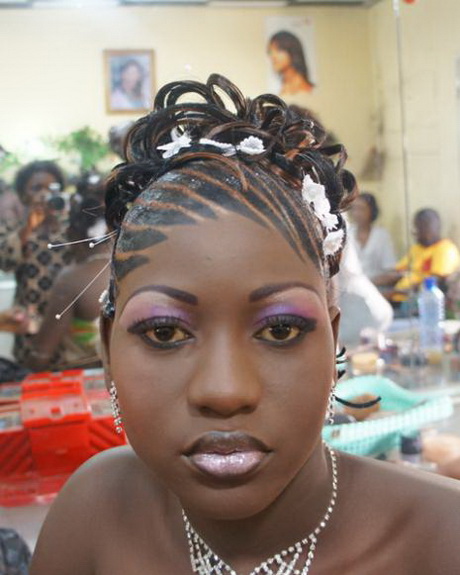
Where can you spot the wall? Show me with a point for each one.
(430, 48)
(52, 67)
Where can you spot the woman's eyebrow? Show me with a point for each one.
(174, 293)
(268, 290)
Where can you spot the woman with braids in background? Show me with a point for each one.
(219, 332)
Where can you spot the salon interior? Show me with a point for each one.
(382, 77)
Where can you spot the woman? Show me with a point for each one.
(24, 248)
(129, 93)
(288, 61)
(373, 243)
(220, 335)
(75, 333)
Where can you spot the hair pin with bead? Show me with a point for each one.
(92, 241)
(76, 298)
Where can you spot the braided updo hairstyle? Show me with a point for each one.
(154, 189)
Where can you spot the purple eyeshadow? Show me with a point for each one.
(143, 311)
(284, 309)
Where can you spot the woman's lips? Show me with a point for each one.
(230, 465)
(225, 455)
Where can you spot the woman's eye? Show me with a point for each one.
(167, 334)
(161, 333)
(285, 330)
(281, 332)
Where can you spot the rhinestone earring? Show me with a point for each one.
(115, 408)
(331, 406)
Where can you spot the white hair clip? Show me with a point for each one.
(251, 145)
(177, 143)
(314, 195)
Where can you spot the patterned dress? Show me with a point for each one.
(35, 268)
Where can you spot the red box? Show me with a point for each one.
(47, 430)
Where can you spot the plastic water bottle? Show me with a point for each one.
(432, 313)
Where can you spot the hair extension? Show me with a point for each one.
(148, 193)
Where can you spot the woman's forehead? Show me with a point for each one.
(205, 191)
(220, 255)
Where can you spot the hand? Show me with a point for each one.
(36, 217)
(14, 320)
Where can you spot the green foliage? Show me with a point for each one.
(8, 161)
(87, 144)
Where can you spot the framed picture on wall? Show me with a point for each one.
(291, 55)
(129, 84)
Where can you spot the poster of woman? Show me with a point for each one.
(290, 50)
(129, 80)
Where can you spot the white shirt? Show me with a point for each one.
(361, 303)
(377, 255)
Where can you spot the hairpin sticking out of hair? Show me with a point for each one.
(92, 242)
(77, 297)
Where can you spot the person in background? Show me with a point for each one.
(76, 334)
(24, 248)
(373, 244)
(361, 304)
(13, 320)
(431, 255)
(288, 62)
(11, 208)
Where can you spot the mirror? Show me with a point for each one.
(62, 62)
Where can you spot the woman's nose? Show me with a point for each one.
(225, 383)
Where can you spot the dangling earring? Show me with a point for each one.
(331, 406)
(341, 362)
(340, 366)
(115, 408)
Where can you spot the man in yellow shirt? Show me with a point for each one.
(430, 256)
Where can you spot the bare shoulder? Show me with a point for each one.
(412, 510)
(94, 507)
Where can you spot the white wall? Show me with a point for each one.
(52, 67)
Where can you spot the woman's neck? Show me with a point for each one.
(293, 81)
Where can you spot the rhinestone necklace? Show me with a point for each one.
(287, 562)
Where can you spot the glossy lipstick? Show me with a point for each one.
(227, 455)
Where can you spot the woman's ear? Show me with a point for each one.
(105, 331)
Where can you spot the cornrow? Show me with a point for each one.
(155, 189)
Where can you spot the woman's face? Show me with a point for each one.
(222, 350)
(130, 77)
(361, 212)
(38, 189)
(280, 59)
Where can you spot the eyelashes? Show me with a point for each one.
(165, 333)
(284, 330)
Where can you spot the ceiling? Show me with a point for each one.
(94, 3)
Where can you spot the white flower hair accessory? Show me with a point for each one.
(177, 143)
(251, 146)
(333, 242)
(314, 195)
(227, 149)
